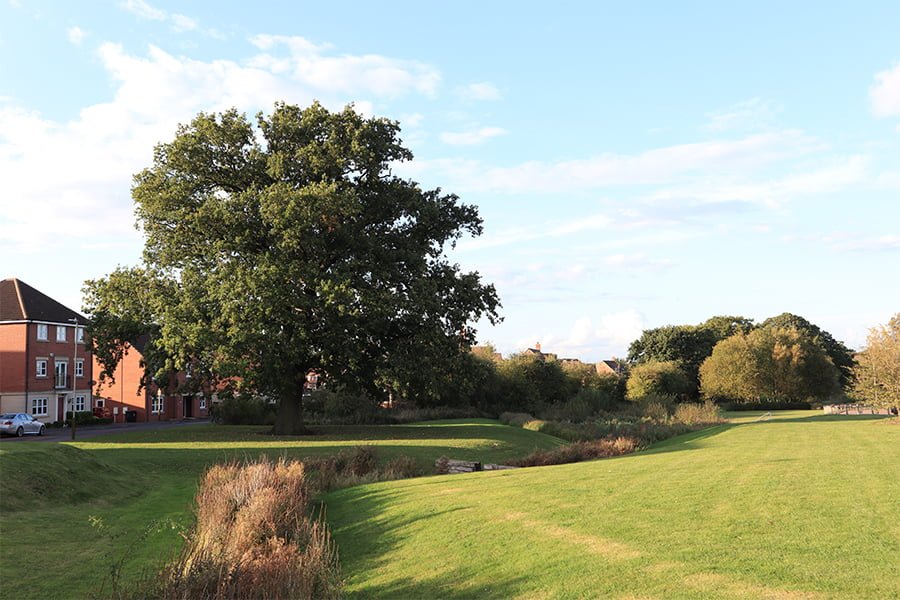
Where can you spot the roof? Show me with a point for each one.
(21, 302)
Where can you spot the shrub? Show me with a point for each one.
(254, 538)
(579, 451)
(243, 410)
(515, 419)
(697, 414)
(656, 378)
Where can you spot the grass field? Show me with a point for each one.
(799, 506)
(49, 549)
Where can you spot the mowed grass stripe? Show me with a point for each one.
(795, 507)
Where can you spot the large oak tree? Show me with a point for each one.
(290, 246)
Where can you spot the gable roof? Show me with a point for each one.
(21, 302)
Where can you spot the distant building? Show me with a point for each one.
(130, 390)
(46, 366)
(611, 367)
(536, 351)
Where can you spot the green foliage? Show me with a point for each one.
(841, 356)
(769, 364)
(655, 378)
(243, 409)
(877, 378)
(274, 250)
(688, 345)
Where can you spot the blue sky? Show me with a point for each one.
(636, 164)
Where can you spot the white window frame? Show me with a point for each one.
(100, 402)
(37, 404)
(202, 403)
(159, 404)
(78, 402)
(61, 333)
(79, 368)
(40, 367)
(79, 335)
(43, 332)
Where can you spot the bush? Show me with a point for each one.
(579, 451)
(656, 378)
(243, 410)
(86, 418)
(254, 538)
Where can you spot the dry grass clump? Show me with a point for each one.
(698, 414)
(254, 538)
(579, 451)
(356, 466)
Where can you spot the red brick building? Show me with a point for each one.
(46, 367)
(126, 391)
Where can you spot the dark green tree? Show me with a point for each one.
(841, 356)
(688, 345)
(274, 250)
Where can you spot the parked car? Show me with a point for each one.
(19, 424)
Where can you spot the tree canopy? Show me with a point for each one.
(878, 372)
(769, 364)
(841, 356)
(290, 246)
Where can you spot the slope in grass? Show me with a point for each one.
(795, 507)
(136, 480)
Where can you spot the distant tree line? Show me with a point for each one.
(730, 359)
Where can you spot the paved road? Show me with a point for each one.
(53, 434)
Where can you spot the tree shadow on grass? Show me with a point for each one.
(366, 539)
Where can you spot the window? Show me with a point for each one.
(99, 402)
(202, 403)
(79, 336)
(42, 331)
(79, 403)
(39, 406)
(79, 368)
(60, 333)
(158, 403)
(41, 367)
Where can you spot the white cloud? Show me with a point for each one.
(178, 22)
(144, 10)
(310, 64)
(471, 138)
(94, 156)
(751, 113)
(885, 93)
(76, 35)
(480, 91)
(666, 165)
(592, 338)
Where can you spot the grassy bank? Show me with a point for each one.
(797, 506)
(49, 549)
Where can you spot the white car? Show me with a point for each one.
(18, 424)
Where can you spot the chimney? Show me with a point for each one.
(537, 346)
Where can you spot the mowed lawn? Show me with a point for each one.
(799, 506)
(141, 484)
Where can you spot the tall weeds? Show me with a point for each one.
(254, 538)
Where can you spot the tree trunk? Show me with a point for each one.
(289, 419)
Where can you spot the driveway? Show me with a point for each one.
(54, 434)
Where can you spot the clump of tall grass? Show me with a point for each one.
(355, 466)
(579, 451)
(254, 537)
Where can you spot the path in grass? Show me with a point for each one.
(48, 548)
(794, 507)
